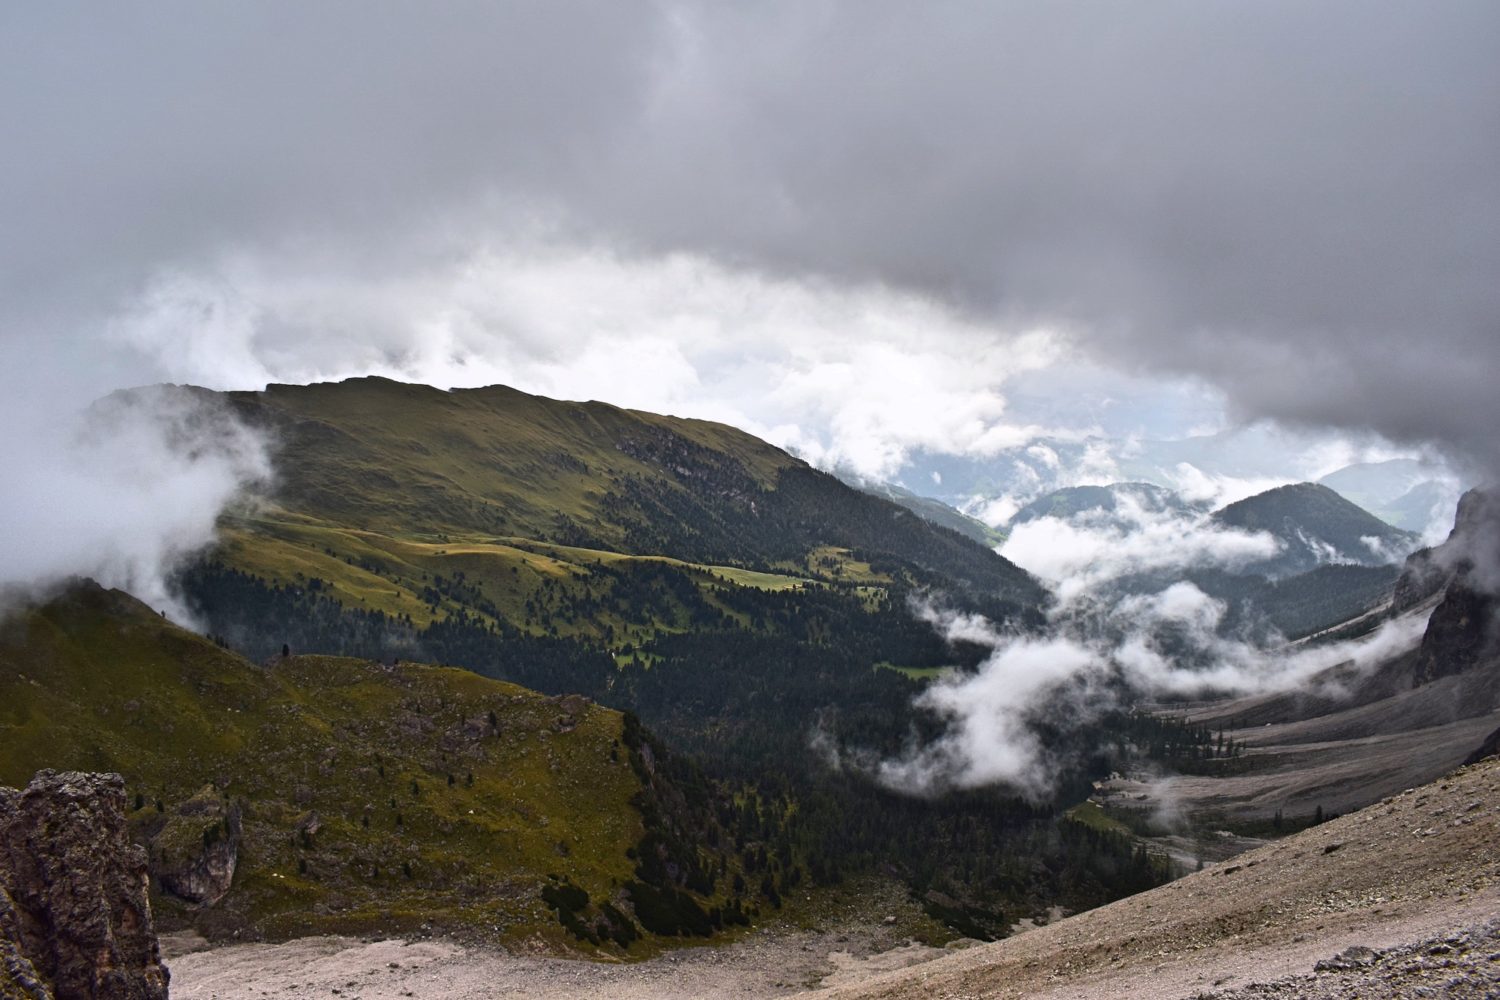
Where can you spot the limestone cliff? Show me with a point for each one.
(75, 921)
(1462, 634)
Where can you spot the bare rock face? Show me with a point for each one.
(1462, 633)
(75, 921)
(194, 856)
(1472, 547)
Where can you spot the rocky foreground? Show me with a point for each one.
(75, 920)
(1401, 899)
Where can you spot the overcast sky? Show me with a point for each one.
(858, 228)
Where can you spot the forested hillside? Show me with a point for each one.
(741, 602)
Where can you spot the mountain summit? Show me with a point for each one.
(1316, 526)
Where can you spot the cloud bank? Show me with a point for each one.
(993, 718)
(1294, 203)
(122, 492)
(1077, 555)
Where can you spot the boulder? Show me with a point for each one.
(195, 853)
(75, 920)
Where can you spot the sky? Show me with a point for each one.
(885, 235)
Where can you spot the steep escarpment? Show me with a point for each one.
(75, 920)
(1462, 633)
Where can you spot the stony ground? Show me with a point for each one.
(853, 933)
(1398, 878)
(1398, 900)
(1458, 965)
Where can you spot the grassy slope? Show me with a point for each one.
(409, 459)
(382, 486)
(95, 681)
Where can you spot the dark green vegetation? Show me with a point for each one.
(734, 598)
(356, 797)
(1293, 607)
(1315, 525)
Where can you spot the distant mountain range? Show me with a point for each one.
(1409, 494)
(1334, 561)
(1072, 501)
(1403, 492)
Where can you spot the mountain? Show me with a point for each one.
(317, 794)
(936, 511)
(1315, 526)
(745, 606)
(1424, 505)
(1463, 632)
(1072, 501)
(1404, 492)
(492, 465)
(1281, 594)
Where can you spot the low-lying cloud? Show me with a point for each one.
(850, 376)
(993, 718)
(120, 492)
(1079, 554)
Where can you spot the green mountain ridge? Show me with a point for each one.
(423, 464)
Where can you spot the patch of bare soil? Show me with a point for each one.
(1397, 882)
(864, 932)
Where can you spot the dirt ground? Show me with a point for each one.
(768, 963)
(1423, 865)
(1411, 884)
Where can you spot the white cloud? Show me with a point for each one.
(121, 493)
(1078, 672)
(1078, 554)
(848, 375)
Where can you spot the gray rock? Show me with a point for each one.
(196, 852)
(75, 920)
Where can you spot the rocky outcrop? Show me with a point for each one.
(1462, 632)
(75, 921)
(1489, 748)
(195, 854)
(1476, 529)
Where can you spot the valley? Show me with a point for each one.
(675, 660)
(677, 499)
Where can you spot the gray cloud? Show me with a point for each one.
(1294, 201)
